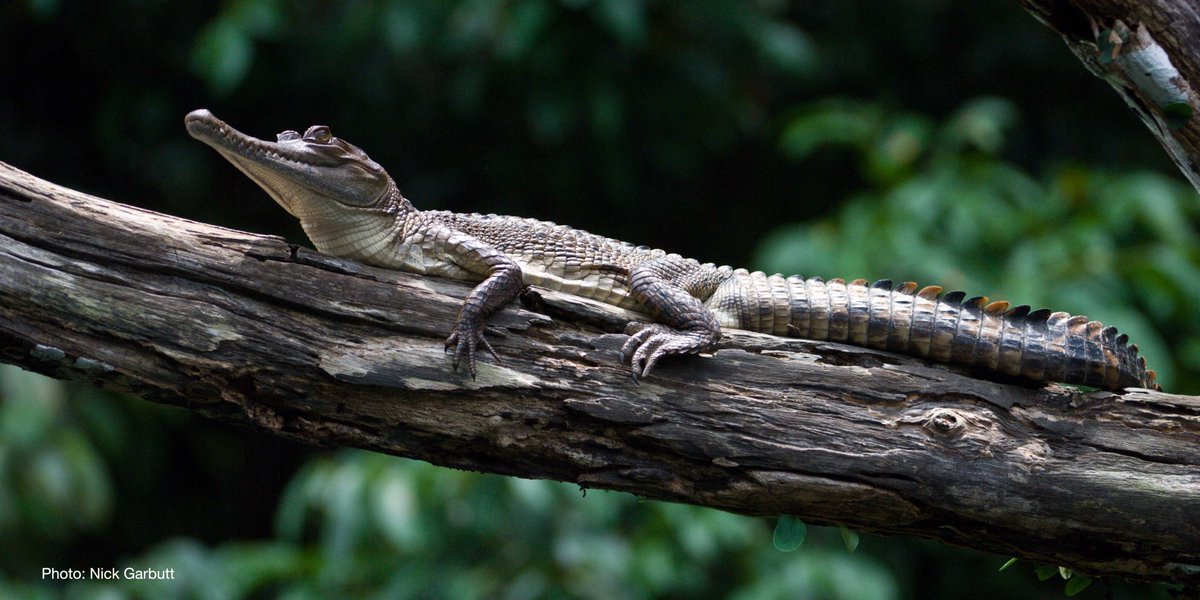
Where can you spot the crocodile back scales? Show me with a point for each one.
(1037, 345)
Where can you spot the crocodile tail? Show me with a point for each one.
(1037, 345)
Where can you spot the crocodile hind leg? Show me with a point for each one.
(667, 289)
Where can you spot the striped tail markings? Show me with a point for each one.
(1036, 345)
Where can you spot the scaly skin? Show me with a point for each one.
(350, 207)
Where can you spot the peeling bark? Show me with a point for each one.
(249, 329)
(1149, 51)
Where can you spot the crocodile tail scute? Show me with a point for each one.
(946, 327)
(1036, 345)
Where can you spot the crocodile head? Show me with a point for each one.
(302, 173)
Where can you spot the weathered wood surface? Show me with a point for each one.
(1152, 63)
(250, 329)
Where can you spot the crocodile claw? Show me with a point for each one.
(465, 340)
(648, 342)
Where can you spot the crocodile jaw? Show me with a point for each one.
(300, 173)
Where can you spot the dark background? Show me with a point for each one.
(946, 142)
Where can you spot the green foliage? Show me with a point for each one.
(789, 533)
(849, 538)
(224, 49)
(364, 525)
(1076, 584)
(53, 481)
(1045, 572)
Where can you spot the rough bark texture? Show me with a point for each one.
(247, 328)
(1149, 51)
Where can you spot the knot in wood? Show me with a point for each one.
(946, 422)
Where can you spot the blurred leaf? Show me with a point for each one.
(92, 497)
(405, 26)
(624, 19)
(47, 479)
(837, 122)
(473, 25)
(198, 573)
(789, 533)
(396, 510)
(785, 46)
(253, 567)
(224, 49)
(104, 420)
(222, 56)
(1045, 572)
(31, 405)
(849, 539)
(342, 500)
(902, 143)
(1077, 584)
(1157, 201)
(523, 28)
(52, 481)
(982, 123)
(1008, 563)
(257, 17)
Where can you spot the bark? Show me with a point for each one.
(249, 329)
(1149, 51)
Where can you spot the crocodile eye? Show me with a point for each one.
(319, 134)
(287, 136)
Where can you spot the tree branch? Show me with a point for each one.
(250, 329)
(1148, 50)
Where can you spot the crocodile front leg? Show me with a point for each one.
(502, 284)
(668, 289)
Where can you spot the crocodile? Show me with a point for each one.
(350, 207)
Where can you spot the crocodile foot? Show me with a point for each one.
(466, 339)
(649, 342)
